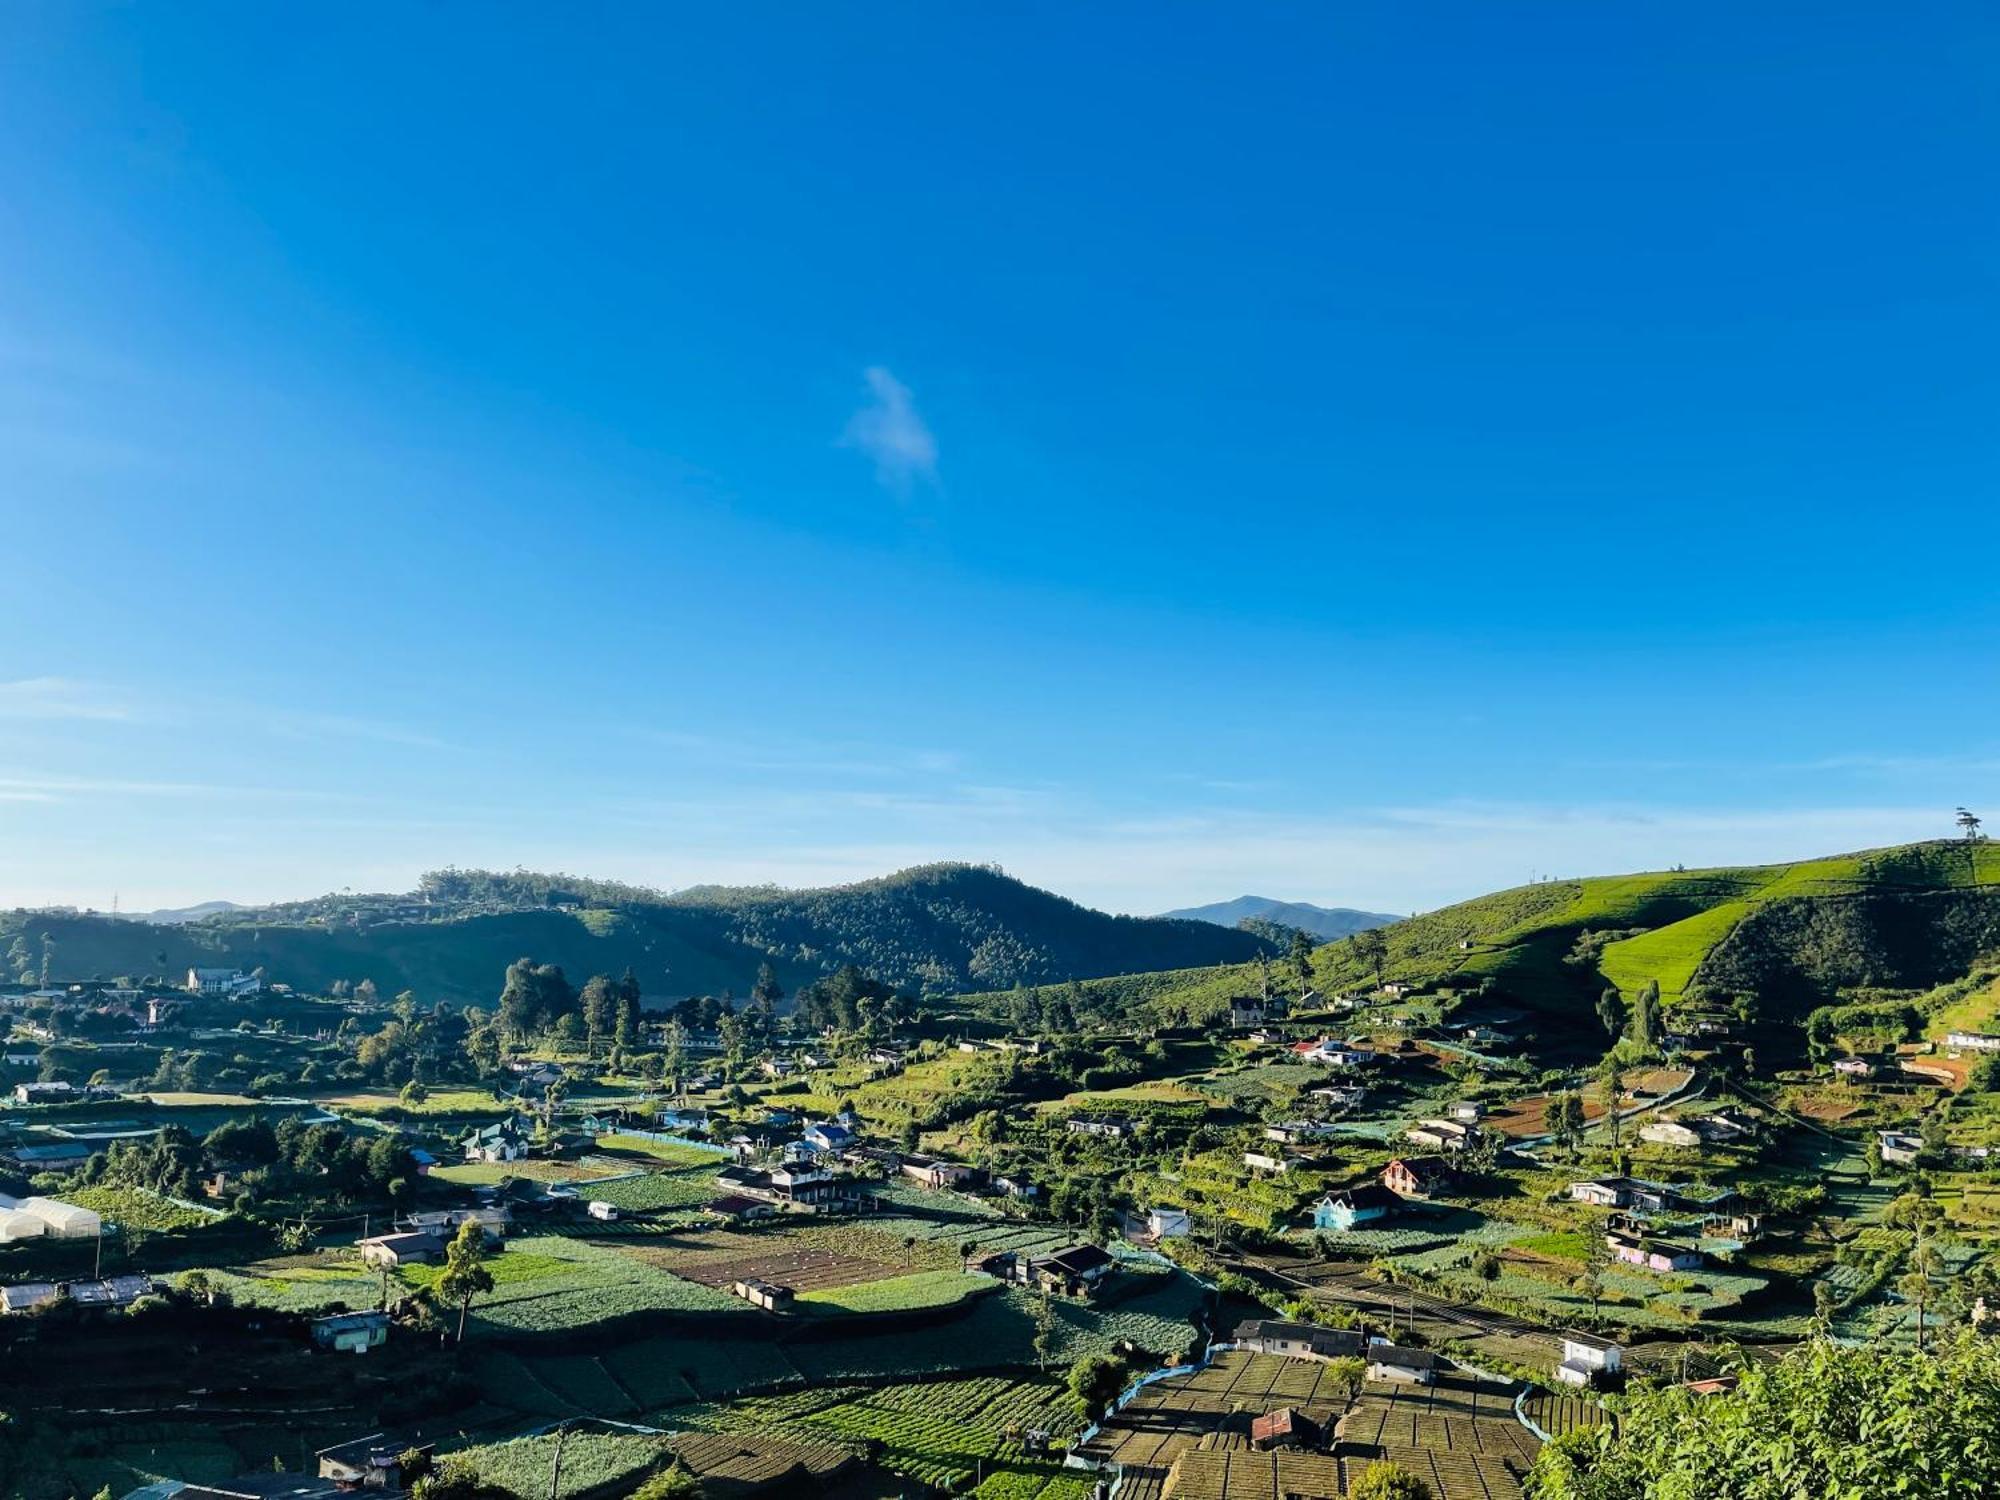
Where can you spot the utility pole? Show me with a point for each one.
(555, 1469)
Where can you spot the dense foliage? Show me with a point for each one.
(1826, 1423)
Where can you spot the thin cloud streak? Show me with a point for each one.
(892, 433)
(56, 698)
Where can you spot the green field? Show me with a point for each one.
(898, 1293)
(544, 1283)
(134, 1209)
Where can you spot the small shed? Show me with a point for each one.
(351, 1333)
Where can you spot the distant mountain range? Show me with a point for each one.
(173, 916)
(935, 930)
(1327, 923)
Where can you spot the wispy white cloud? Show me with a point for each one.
(318, 726)
(61, 698)
(890, 431)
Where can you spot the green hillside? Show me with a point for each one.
(934, 929)
(1906, 917)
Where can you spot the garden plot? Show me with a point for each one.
(1170, 1416)
(1459, 1436)
(810, 1259)
(939, 1433)
(300, 1283)
(546, 1284)
(590, 1460)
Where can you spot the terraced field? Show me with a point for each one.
(943, 1433)
(1170, 1416)
(1458, 1436)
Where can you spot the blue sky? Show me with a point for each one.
(1365, 454)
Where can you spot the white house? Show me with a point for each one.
(221, 982)
(1334, 1054)
(1387, 1361)
(1853, 1067)
(1468, 1112)
(1588, 1359)
(1973, 1041)
(1899, 1147)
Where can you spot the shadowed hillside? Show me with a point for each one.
(934, 929)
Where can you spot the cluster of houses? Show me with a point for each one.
(1386, 1360)
(1635, 1235)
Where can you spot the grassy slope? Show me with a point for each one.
(1520, 937)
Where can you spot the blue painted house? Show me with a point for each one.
(1355, 1207)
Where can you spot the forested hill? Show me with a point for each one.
(934, 929)
(1794, 936)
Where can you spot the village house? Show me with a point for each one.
(1287, 1427)
(1295, 1340)
(1344, 1095)
(1588, 1360)
(1016, 1187)
(1652, 1253)
(1899, 1148)
(1626, 1192)
(1075, 1272)
(351, 1333)
(738, 1207)
(936, 1172)
(224, 983)
(1246, 1013)
(1116, 1127)
(505, 1141)
(828, 1136)
(1973, 1041)
(387, 1251)
(48, 1093)
(374, 1462)
(494, 1221)
(1441, 1135)
(1853, 1067)
(1168, 1223)
(1350, 1208)
(1419, 1176)
(1334, 1054)
(1468, 1112)
(1739, 1226)
(1387, 1361)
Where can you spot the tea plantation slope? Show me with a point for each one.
(1874, 915)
